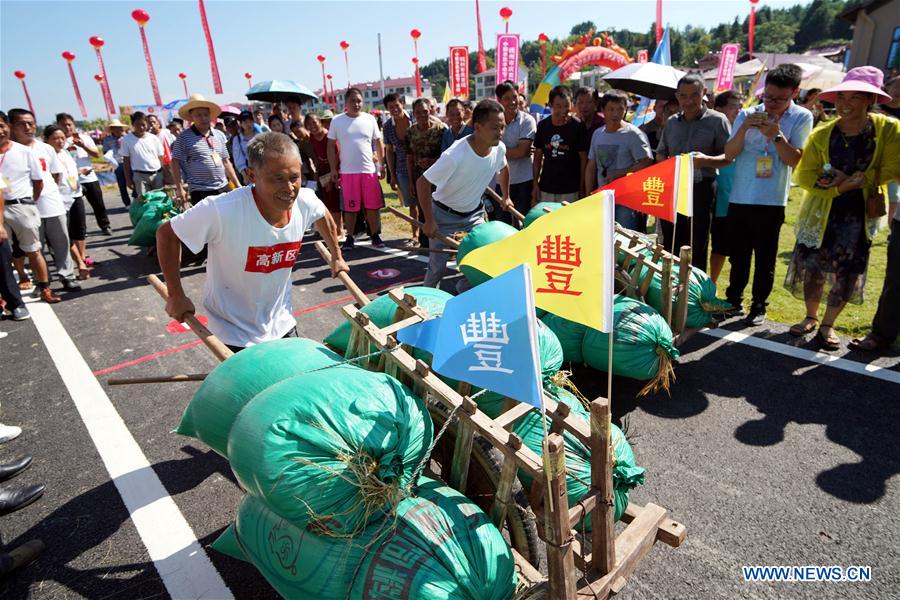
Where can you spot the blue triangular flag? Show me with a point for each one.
(487, 337)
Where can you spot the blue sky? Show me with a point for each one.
(276, 40)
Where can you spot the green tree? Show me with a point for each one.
(583, 28)
(774, 36)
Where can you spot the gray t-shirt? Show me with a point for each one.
(522, 127)
(616, 150)
(708, 134)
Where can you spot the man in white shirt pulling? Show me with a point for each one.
(460, 175)
(254, 235)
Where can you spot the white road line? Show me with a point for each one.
(815, 357)
(183, 566)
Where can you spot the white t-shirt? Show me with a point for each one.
(355, 136)
(166, 135)
(143, 152)
(70, 188)
(461, 175)
(247, 295)
(19, 167)
(50, 203)
(82, 158)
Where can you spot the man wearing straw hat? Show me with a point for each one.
(199, 155)
(254, 235)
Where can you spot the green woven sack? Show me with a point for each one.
(232, 384)
(537, 211)
(331, 449)
(570, 335)
(702, 300)
(139, 205)
(153, 215)
(381, 312)
(626, 474)
(643, 345)
(440, 547)
(480, 236)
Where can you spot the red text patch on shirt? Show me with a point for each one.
(265, 259)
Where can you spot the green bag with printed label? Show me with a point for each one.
(440, 546)
(480, 236)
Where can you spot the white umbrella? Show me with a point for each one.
(646, 79)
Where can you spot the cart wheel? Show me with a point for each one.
(481, 486)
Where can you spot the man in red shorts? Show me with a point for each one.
(354, 134)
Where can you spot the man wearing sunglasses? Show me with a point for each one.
(766, 144)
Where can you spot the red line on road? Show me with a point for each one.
(308, 309)
(148, 357)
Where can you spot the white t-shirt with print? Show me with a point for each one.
(247, 295)
(50, 203)
(143, 152)
(82, 158)
(461, 175)
(18, 168)
(70, 188)
(355, 136)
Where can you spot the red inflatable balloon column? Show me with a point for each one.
(213, 63)
(183, 78)
(543, 39)
(248, 76)
(331, 87)
(751, 26)
(505, 14)
(325, 98)
(100, 81)
(141, 17)
(69, 57)
(20, 75)
(97, 42)
(345, 47)
(415, 34)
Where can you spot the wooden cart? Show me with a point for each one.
(576, 567)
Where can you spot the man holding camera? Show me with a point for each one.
(766, 144)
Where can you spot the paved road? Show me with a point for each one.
(766, 458)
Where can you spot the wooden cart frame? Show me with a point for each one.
(610, 559)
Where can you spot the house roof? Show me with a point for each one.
(388, 83)
(849, 14)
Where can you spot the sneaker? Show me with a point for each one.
(106, 231)
(348, 243)
(377, 242)
(9, 432)
(736, 310)
(20, 314)
(49, 296)
(70, 285)
(756, 317)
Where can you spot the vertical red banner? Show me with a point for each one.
(727, 62)
(643, 56)
(459, 71)
(482, 56)
(659, 27)
(507, 57)
(214, 66)
(104, 84)
(153, 84)
(69, 57)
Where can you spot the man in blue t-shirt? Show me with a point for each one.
(766, 143)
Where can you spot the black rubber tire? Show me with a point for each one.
(484, 474)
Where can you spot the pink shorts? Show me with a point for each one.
(361, 190)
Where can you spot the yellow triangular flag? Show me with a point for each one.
(685, 175)
(571, 253)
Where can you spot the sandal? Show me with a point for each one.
(83, 273)
(869, 343)
(25, 285)
(830, 341)
(807, 325)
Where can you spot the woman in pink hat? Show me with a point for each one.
(846, 161)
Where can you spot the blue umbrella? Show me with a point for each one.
(280, 90)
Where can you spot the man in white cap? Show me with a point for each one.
(254, 234)
(200, 155)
